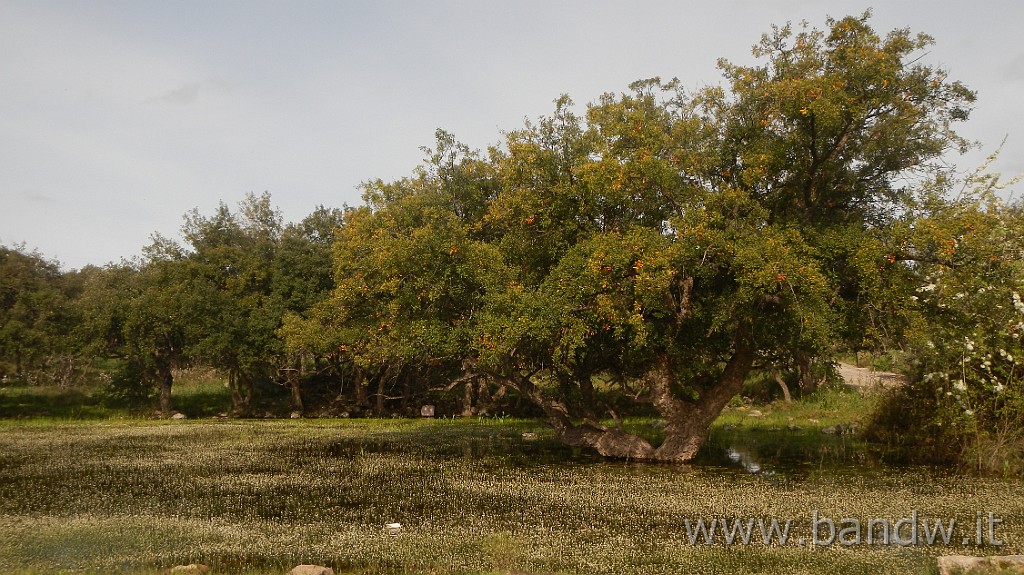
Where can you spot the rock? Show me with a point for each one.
(842, 428)
(529, 436)
(793, 427)
(296, 415)
(427, 411)
(949, 564)
(311, 570)
(179, 415)
(191, 568)
(754, 413)
(392, 528)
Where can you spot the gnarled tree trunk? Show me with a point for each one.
(687, 424)
(687, 421)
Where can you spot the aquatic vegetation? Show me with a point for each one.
(472, 496)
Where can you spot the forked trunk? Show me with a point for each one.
(687, 421)
(390, 372)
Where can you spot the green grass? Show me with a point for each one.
(51, 402)
(259, 497)
(196, 393)
(200, 393)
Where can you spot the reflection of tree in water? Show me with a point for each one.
(744, 458)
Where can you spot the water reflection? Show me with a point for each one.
(786, 452)
(744, 458)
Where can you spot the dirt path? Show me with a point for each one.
(864, 379)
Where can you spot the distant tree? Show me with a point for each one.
(160, 312)
(410, 273)
(303, 276)
(34, 314)
(229, 258)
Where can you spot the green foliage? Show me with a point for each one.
(968, 320)
(35, 313)
(698, 233)
(243, 272)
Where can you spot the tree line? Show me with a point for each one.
(648, 255)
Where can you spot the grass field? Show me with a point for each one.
(473, 496)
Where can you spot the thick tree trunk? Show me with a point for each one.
(379, 407)
(382, 382)
(467, 398)
(487, 401)
(688, 422)
(241, 386)
(164, 380)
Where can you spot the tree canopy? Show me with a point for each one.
(666, 242)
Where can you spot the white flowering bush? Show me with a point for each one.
(968, 334)
(975, 376)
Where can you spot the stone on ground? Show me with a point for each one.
(950, 564)
(190, 569)
(311, 570)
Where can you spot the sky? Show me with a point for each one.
(118, 117)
